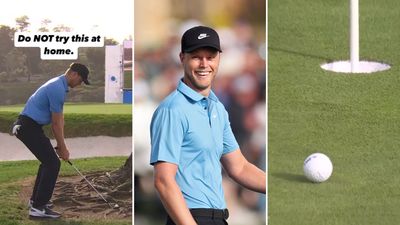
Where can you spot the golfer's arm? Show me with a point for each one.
(170, 193)
(243, 172)
(57, 126)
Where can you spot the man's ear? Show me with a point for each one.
(181, 55)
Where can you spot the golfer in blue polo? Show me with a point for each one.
(44, 107)
(191, 139)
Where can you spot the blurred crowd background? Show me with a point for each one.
(240, 85)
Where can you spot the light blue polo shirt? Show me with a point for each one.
(193, 132)
(48, 98)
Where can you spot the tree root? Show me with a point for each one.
(77, 195)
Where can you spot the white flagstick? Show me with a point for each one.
(355, 65)
(354, 35)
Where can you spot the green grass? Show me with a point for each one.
(82, 120)
(88, 108)
(354, 119)
(13, 211)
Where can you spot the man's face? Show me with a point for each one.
(76, 80)
(200, 68)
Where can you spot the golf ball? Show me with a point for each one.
(317, 167)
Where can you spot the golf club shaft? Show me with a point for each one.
(70, 163)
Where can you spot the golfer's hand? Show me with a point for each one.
(63, 153)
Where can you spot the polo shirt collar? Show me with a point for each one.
(195, 96)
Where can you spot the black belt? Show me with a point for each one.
(210, 213)
(26, 120)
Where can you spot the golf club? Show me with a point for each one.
(79, 172)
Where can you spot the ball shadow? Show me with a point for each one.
(291, 177)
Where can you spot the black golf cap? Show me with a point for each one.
(82, 70)
(198, 37)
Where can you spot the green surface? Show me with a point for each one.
(92, 108)
(354, 119)
(13, 211)
(82, 120)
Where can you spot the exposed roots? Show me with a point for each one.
(75, 197)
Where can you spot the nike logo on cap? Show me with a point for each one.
(201, 36)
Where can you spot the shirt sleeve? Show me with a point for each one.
(230, 143)
(166, 133)
(56, 99)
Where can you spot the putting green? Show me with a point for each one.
(353, 119)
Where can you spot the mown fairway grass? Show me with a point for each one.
(13, 211)
(83, 119)
(354, 119)
(91, 108)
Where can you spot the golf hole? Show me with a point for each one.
(360, 67)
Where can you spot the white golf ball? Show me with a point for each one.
(317, 167)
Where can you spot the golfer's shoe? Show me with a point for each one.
(48, 205)
(43, 213)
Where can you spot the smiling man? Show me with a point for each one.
(191, 140)
(45, 106)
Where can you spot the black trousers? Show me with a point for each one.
(206, 217)
(32, 135)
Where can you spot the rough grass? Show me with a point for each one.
(354, 119)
